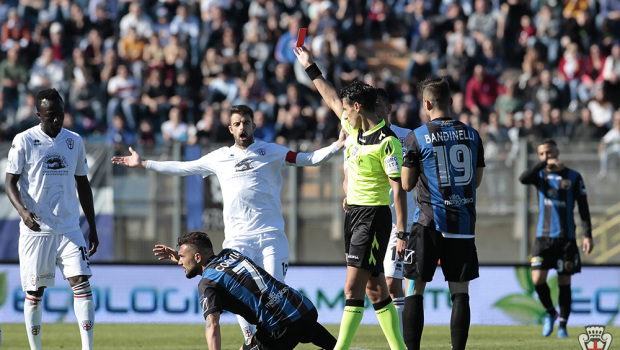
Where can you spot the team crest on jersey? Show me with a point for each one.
(70, 143)
(33, 279)
(54, 161)
(565, 184)
(244, 165)
(261, 151)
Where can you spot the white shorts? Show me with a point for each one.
(268, 250)
(392, 266)
(39, 255)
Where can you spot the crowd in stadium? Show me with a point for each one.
(134, 70)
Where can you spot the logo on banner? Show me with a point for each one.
(595, 338)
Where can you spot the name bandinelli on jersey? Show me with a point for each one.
(447, 153)
(235, 283)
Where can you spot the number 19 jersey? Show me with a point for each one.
(447, 153)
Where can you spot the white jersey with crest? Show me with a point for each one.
(401, 134)
(251, 181)
(47, 167)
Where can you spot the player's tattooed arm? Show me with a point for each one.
(164, 252)
(212, 331)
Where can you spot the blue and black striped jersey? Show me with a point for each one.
(234, 283)
(557, 194)
(447, 153)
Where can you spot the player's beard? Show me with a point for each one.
(193, 271)
(249, 139)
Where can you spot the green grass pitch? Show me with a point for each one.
(158, 336)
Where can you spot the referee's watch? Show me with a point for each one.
(402, 234)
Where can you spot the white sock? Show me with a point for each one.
(247, 328)
(84, 308)
(33, 313)
(399, 304)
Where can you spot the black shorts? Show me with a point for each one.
(459, 257)
(561, 254)
(366, 236)
(285, 338)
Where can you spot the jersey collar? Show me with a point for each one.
(377, 127)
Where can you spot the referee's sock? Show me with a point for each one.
(565, 301)
(399, 304)
(544, 294)
(459, 323)
(33, 313)
(84, 308)
(389, 321)
(413, 321)
(351, 318)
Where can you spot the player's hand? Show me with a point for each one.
(401, 245)
(554, 164)
(93, 242)
(344, 204)
(303, 56)
(164, 252)
(132, 161)
(30, 220)
(588, 245)
(342, 138)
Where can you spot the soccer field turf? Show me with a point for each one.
(157, 336)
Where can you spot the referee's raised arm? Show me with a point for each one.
(327, 91)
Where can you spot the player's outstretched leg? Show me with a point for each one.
(84, 308)
(565, 301)
(351, 318)
(388, 319)
(413, 321)
(33, 314)
(459, 323)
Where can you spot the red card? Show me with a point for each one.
(301, 36)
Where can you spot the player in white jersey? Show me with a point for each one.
(392, 266)
(46, 165)
(250, 176)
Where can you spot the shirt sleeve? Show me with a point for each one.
(480, 161)
(584, 209)
(392, 154)
(210, 300)
(314, 158)
(203, 166)
(81, 168)
(412, 157)
(16, 159)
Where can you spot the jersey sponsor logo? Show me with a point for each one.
(37, 143)
(456, 201)
(54, 161)
(70, 143)
(550, 202)
(276, 297)
(244, 165)
(391, 164)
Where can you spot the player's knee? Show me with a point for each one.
(36, 293)
(75, 280)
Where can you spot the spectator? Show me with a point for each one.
(264, 129)
(77, 25)
(130, 50)
(154, 99)
(482, 91)
(13, 77)
(496, 146)
(187, 27)
(46, 73)
(14, 31)
(286, 42)
(548, 30)
(530, 131)
(119, 135)
(460, 34)
(485, 23)
(136, 19)
(182, 95)
(458, 65)
(492, 62)
(290, 126)
(592, 76)
(425, 51)
(61, 46)
(26, 115)
(609, 149)
(570, 70)
(377, 20)
(124, 92)
(585, 130)
(611, 74)
(558, 128)
(602, 109)
(352, 67)
(209, 130)
(103, 22)
(223, 87)
(174, 129)
(545, 92)
(146, 135)
(508, 101)
(82, 90)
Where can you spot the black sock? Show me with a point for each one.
(565, 300)
(413, 321)
(545, 297)
(459, 323)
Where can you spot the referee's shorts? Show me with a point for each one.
(367, 234)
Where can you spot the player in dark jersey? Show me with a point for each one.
(232, 282)
(555, 247)
(445, 161)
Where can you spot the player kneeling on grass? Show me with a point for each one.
(232, 282)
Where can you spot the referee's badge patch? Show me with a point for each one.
(391, 164)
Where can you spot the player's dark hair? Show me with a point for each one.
(199, 240)
(361, 93)
(48, 94)
(548, 141)
(437, 91)
(241, 109)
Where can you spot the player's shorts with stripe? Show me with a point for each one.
(39, 255)
(268, 250)
(561, 254)
(459, 257)
(367, 233)
(392, 265)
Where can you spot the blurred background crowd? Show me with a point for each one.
(150, 72)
